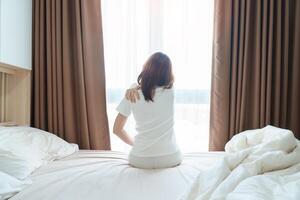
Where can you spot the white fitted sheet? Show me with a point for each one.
(106, 175)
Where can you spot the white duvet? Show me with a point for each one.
(261, 164)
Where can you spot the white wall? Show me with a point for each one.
(16, 32)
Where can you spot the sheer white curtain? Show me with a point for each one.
(133, 30)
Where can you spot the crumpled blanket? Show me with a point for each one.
(260, 164)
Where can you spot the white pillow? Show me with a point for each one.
(14, 165)
(9, 185)
(34, 145)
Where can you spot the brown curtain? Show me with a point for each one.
(256, 67)
(68, 72)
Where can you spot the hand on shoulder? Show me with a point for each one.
(132, 93)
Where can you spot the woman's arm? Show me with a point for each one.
(119, 129)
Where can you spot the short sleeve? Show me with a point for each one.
(124, 107)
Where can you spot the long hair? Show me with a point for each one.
(157, 72)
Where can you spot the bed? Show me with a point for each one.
(256, 164)
(107, 175)
(47, 167)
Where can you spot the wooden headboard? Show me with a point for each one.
(14, 95)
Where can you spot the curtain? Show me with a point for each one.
(68, 86)
(183, 29)
(256, 67)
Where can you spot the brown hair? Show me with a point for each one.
(157, 72)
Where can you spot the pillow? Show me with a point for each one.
(34, 145)
(14, 165)
(9, 185)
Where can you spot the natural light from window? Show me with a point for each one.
(133, 30)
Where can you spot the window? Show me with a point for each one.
(133, 30)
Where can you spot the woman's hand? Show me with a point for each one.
(132, 94)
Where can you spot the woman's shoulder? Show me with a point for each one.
(171, 89)
(165, 91)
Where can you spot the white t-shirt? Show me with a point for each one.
(154, 123)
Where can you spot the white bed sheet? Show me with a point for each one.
(107, 175)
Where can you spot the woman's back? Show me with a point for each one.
(154, 123)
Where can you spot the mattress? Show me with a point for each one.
(106, 175)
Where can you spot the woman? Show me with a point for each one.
(155, 145)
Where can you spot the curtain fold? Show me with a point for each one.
(255, 75)
(68, 85)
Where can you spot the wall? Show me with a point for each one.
(16, 32)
